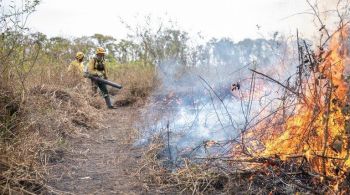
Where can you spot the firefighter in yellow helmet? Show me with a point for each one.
(97, 67)
(76, 68)
(77, 65)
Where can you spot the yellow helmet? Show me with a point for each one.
(79, 55)
(100, 50)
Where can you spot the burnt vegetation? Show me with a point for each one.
(301, 145)
(297, 143)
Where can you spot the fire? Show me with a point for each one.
(319, 131)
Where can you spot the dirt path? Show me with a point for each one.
(103, 161)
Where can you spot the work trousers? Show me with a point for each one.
(101, 86)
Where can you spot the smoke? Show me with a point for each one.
(195, 105)
(325, 5)
(328, 15)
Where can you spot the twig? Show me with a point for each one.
(277, 82)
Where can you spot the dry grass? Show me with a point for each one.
(191, 178)
(153, 174)
(9, 111)
(35, 124)
(217, 176)
(138, 82)
(45, 118)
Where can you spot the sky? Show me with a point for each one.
(236, 19)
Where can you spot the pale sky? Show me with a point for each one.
(236, 19)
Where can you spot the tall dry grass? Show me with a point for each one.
(138, 82)
(35, 123)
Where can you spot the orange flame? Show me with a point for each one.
(319, 130)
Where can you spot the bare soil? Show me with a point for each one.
(100, 161)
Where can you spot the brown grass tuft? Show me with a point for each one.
(138, 82)
(49, 115)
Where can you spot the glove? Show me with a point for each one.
(99, 74)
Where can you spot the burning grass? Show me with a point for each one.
(318, 130)
(302, 147)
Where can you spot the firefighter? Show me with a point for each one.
(76, 68)
(97, 67)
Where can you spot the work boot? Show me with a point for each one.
(108, 102)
